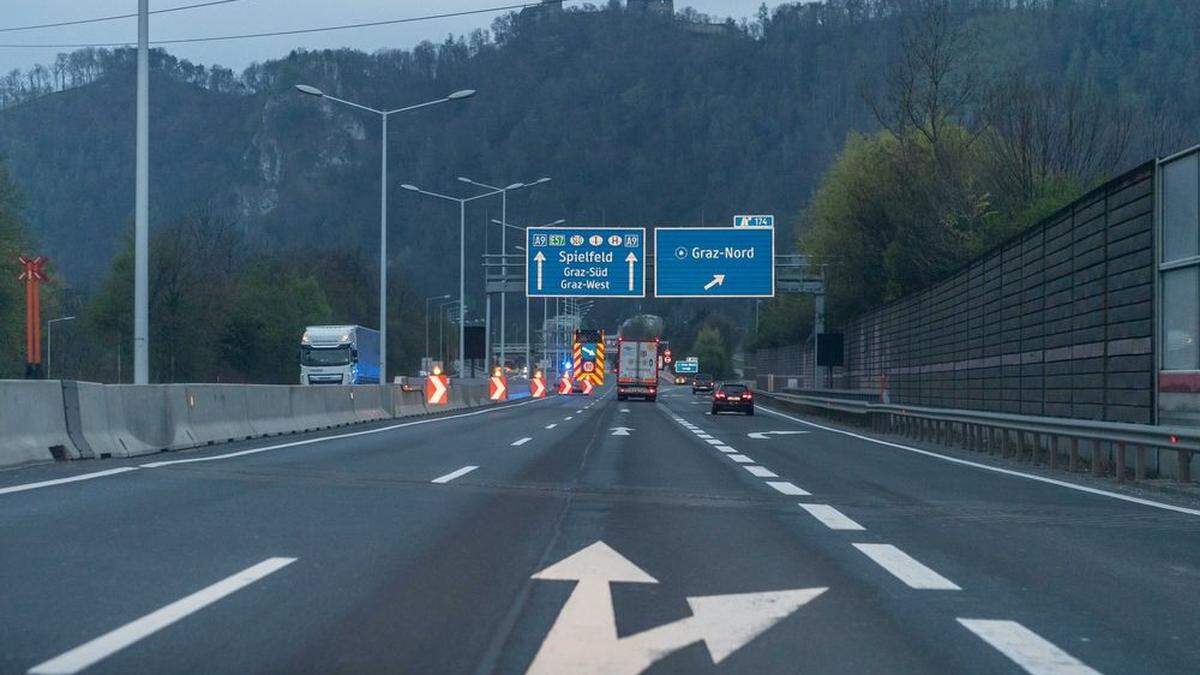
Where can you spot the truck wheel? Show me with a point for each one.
(750, 412)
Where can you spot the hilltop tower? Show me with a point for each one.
(660, 6)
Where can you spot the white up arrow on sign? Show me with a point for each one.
(584, 638)
(631, 259)
(762, 435)
(620, 431)
(539, 259)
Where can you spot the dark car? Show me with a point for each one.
(702, 382)
(732, 397)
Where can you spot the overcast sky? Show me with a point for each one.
(249, 16)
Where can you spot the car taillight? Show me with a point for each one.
(746, 396)
(720, 394)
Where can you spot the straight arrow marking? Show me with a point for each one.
(620, 431)
(631, 259)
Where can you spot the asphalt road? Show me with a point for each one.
(683, 540)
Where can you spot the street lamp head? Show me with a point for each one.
(411, 188)
(543, 179)
(560, 221)
(515, 186)
(464, 179)
(310, 90)
(461, 94)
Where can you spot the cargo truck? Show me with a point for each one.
(637, 369)
(339, 355)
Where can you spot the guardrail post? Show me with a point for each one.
(1073, 457)
(1139, 463)
(1185, 465)
(1054, 452)
(1120, 462)
(1097, 464)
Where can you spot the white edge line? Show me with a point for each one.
(309, 441)
(996, 469)
(69, 479)
(1026, 648)
(113, 641)
(454, 474)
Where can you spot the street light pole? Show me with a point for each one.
(462, 258)
(141, 205)
(504, 249)
(528, 336)
(50, 340)
(383, 114)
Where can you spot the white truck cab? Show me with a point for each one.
(339, 355)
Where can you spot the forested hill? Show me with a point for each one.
(638, 119)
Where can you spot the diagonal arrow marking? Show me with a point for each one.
(717, 280)
(584, 637)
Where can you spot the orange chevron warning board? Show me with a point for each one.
(588, 356)
(437, 390)
(537, 386)
(564, 385)
(587, 387)
(498, 388)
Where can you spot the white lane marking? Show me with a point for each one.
(701, 434)
(454, 474)
(788, 488)
(713, 441)
(725, 448)
(625, 410)
(110, 643)
(578, 412)
(522, 441)
(741, 459)
(69, 479)
(568, 418)
(831, 517)
(996, 469)
(551, 426)
(310, 441)
(1028, 649)
(761, 472)
(906, 568)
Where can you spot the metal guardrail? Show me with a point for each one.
(1022, 436)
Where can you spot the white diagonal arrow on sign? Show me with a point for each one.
(539, 259)
(584, 638)
(620, 431)
(717, 280)
(762, 435)
(631, 259)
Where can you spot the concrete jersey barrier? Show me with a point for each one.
(33, 423)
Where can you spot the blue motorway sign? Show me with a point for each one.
(714, 262)
(594, 262)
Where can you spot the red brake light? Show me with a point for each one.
(719, 394)
(746, 395)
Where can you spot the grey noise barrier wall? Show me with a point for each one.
(48, 420)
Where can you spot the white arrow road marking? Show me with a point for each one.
(631, 259)
(522, 441)
(831, 517)
(454, 474)
(717, 280)
(906, 568)
(1028, 649)
(762, 435)
(539, 259)
(584, 638)
(620, 431)
(114, 641)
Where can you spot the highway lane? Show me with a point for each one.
(393, 572)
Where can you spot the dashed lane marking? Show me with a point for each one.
(790, 489)
(761, 471)
(1027, 649)
(741, 459)
(906, 568)
(725, 448)
(831, 517)
(112, 642)
(551, 426)
(454, 474)
(522, 441)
